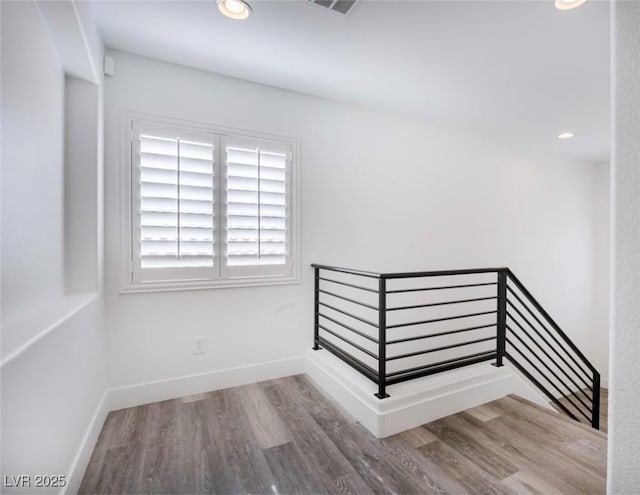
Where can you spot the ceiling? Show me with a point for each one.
(519, 70)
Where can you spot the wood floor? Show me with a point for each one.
(604, 409)
(284, 436)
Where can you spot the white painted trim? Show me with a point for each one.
(70, 306)
(144, 287)
(144, 393)
(417, 402)
(88, 443)
(87, 46)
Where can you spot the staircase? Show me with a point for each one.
(604, 400)
(396, 327)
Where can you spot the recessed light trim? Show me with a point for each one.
(234, 9)
(568, 4)
(565, 135)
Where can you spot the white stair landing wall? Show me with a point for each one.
(415, 402)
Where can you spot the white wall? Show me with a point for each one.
(378, 192)
(601, 237)
(624, 381)
(33, 164)
(53, 368)
(51, 393)
(81, 187)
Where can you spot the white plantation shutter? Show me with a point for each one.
(175, 222)
(257, 219)
(207, 208)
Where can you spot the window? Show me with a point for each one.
(207, 207)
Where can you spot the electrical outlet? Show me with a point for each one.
(198, 345)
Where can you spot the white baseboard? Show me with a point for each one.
(416, 402)
(83, 455)
(144, 393)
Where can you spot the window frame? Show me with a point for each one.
(250, 276)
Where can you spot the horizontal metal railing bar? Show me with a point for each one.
(344, 325)
(544, 390)
(354, 362)
(469, 315)
(348, 284)
(539, 346)
(363, 320)
(441, 273)
(439, 367)
(439, 334)
(551, 321)
(362, 273)
(348, 299)
(566, 397)
(444, 303)
(432, 273)
(525, 306)
(555, 350)
(442, 348)
(541, 361)
(447, 361)
(398, 291)
(359, 347)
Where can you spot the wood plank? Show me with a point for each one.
(417, 437)
(554, 445)
(350, 484)
(459, 468)
(267, 426)
(165, 448)
(125, 426)
(195, 397)
(121, 470)
(517, 406)
(292, 470)
(119, 449)
(594, 456)
(307, 434)
(381, 472)
(522, 483)
(434, 479)
(234, 447)
(484, 412)
(472, 447)
(546, 461)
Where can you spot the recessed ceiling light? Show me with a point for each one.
(235, 9)
(565, 135)
(568, 4)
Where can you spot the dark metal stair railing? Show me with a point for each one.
(525, 334)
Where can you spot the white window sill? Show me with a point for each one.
(209, 284)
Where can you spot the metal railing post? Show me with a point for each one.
(595, 414)
(382, 339)
(501, 321)
(316, 309)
